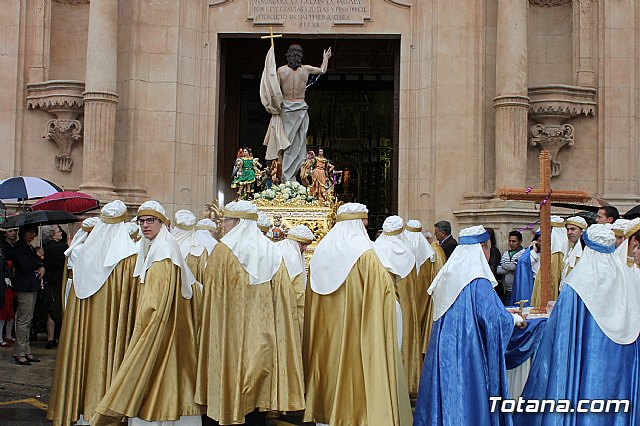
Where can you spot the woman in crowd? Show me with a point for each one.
(29, 271)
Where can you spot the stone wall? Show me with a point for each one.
(580, 63)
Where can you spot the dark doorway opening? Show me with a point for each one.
(353, 112)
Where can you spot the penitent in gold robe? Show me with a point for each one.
(557, 263)
(250, 352)
(411, 350)
(299, 288)
(157, 376)
(428, 272)
(95, 334)
(197, 265)
(354, 373)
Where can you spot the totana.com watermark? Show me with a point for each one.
(522, 405)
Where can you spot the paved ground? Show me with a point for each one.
(24, 390)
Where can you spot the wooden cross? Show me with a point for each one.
(271, 35)
(521, 304)
(544, 195)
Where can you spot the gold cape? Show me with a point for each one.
(354, 373)
(95, 334)
(556, 274)
(157, 376)
(197, 265)
(411, 350)
(250, 351)
(428, 272)
(299, 286)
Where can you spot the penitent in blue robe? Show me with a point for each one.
(575, 361)
(523, 279)
(465, 362)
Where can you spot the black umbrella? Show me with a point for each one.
(590, 217)
(633, 213)
(39, 217)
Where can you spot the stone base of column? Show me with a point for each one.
(99, 190)
(132, 194)
(511, 140)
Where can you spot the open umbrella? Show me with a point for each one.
(592, 205)
(26, 188)
(40, 217)
(633, 213)
(67, 201)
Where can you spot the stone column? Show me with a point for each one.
(100, 99)
(511, 102)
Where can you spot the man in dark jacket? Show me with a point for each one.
(443, 234)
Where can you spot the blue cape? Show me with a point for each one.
(465, 361)
(524, 342)
(575, 361)
(523, 279)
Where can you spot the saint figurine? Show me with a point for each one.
(307, 168)
(320, 177)
(247, 170)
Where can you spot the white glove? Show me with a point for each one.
(517, 319)
(8, 281)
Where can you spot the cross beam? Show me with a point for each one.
(545, 196)
(271, 36)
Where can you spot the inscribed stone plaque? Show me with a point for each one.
(309, 14)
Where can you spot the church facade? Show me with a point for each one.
(431, 105)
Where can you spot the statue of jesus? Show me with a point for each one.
(293, 79)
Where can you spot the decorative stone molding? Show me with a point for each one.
(101, 96)
(212, 3)
(401, 3)
(549, 3)
(561, 102)
(550, 106)
(60, 97)
(64, 99)
(64, 133)
(552, 137)
(511, 101)
(73, 2)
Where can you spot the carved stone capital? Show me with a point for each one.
(555, 103)
(63, 98)
(64, 133)
(552, 137)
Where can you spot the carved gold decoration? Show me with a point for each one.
(552, 137)
(215, 212)
(64, 133)
(319, 217)
(64, 99)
